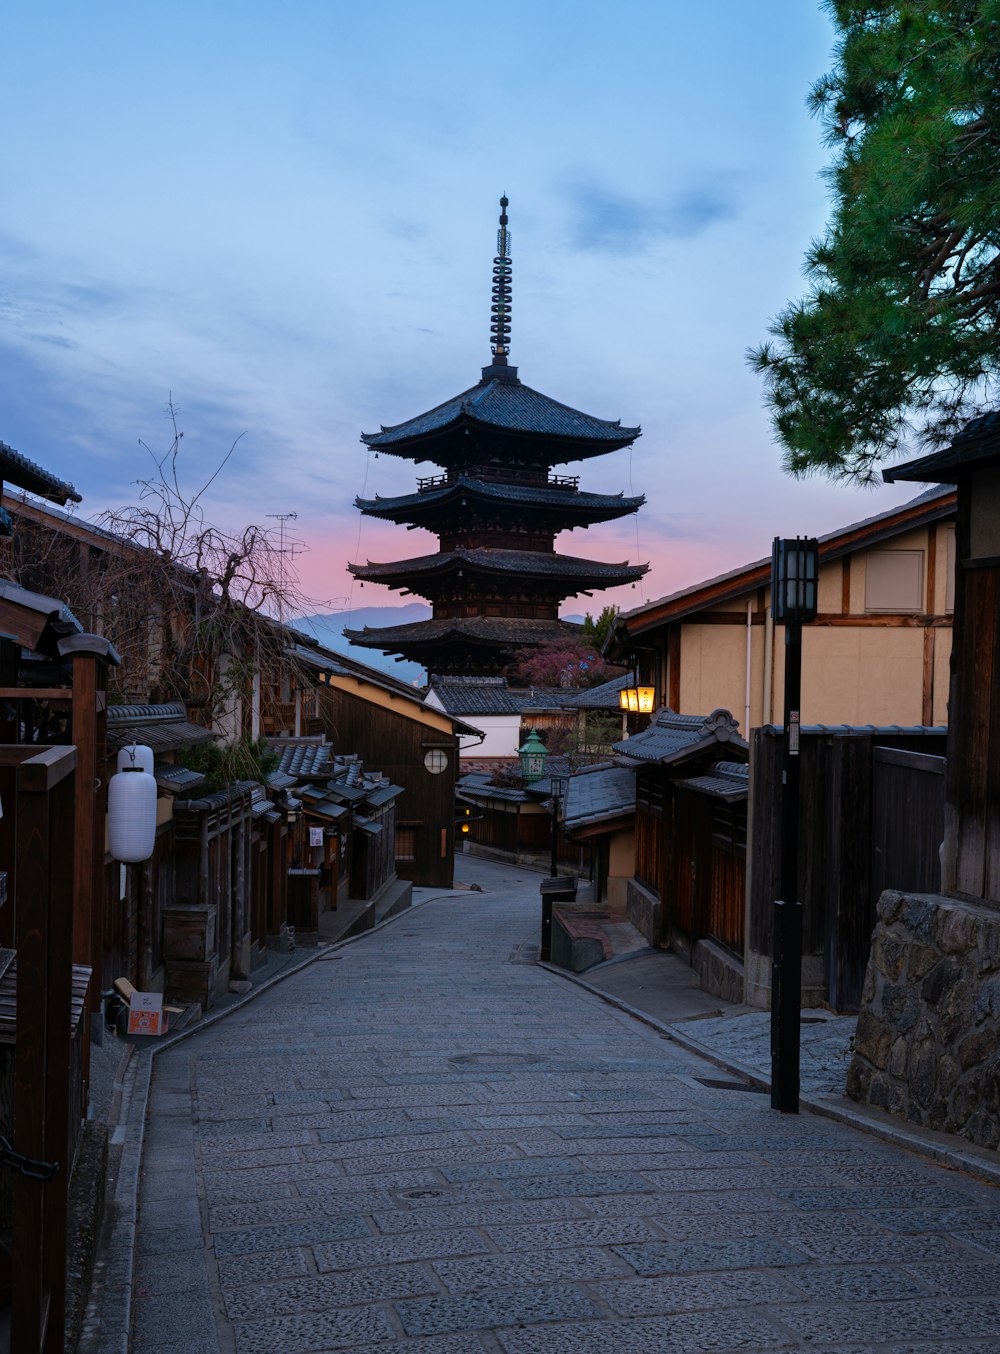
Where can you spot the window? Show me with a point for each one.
(406, 843)
(436, 761)
(894, 580)
(949, 583)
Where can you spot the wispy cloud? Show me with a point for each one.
(607, 222)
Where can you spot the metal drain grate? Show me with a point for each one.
(717, 1085)
(421, 1194)
(496, 1061)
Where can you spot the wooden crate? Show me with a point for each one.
(189, 931)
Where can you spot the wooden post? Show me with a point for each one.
(44, 808)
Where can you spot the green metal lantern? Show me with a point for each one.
(533, 753)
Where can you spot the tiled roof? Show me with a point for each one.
(219, 799)
(164, 727)
(977, 444)
(474, 695)
(313, 658)
(932, 505)
(510, 631)
(60, 624)
(512, 407)
(540, 698)
(476, 787)
(726, 780)
(603, 697)
(176, 779)
(599, 796)
(672, 738)
(571, 502)
(534, 563)
(18, 470)
(303, 758)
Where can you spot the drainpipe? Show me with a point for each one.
(765, 703)
(746, 707)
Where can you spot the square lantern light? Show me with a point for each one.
(637, 700)
(794, 580)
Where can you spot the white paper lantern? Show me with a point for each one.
(132, 806)
(136, 757)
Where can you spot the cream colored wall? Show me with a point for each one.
(863, 675)
(621, 867)
(713, 670)
(851, 674)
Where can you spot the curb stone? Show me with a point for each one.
(941, 1147)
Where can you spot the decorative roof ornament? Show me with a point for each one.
(500, 309)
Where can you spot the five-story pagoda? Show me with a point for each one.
(496, 582)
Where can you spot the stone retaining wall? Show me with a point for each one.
(927, 1046)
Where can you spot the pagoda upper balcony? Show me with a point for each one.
(495, 475)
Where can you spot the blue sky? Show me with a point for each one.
(285, 215)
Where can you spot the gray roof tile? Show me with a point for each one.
(571, 502)
(510, 406)
(18, 470)
(672, 738)
(536, 563)
(597, 796)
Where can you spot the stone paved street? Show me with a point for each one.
(423, 1142)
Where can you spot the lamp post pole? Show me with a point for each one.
(794, 585)
(558, 787)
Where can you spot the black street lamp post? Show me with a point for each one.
(794, 585)
(557, 791)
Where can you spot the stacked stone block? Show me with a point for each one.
(927, 1046)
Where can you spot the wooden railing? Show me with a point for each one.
(428, 483)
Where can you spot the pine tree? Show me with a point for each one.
(900, 332)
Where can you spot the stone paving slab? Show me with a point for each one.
(457, 1154)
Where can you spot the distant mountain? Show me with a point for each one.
(329, 630)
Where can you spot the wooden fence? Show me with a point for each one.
(870, 815)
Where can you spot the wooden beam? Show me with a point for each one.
(845, 585)
(931, 568)
(45, 769)
(884, 622)
(927, 716)
(36, 693)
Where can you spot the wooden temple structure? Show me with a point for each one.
(496, 582)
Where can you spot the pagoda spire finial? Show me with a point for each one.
(500, 309)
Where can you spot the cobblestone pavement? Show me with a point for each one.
(424, 1142)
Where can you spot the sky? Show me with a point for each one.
(283, 217)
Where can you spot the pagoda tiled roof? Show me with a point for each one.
(597, 507)
(495, 631)
(533, 563)
(508, 406)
